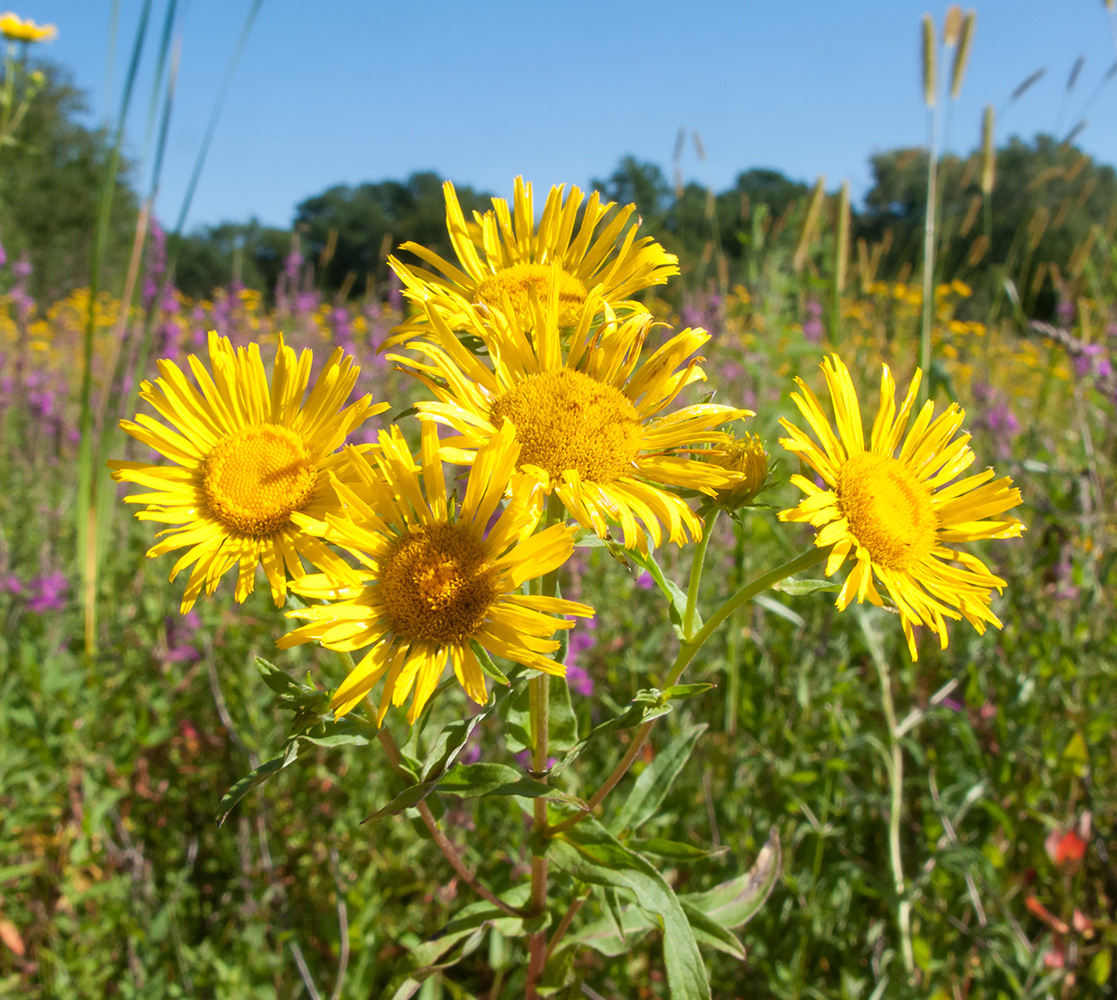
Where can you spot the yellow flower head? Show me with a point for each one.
(747, 456)
(587, 406)
(504, 260)
(895, 512)
(247, 458)
(436, 579)
(14, 28)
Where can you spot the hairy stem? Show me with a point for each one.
(387, 741)
(539, 706)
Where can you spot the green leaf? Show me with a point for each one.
(604, 937)
(562, 729)
(591, 854)
(675, 595)
(672, 850)
(681, 691)
(655, 780)
(614, 911)
(737, 901)
(647, 705)
(241, 788)
(709, 932)
(440, 758)
(471, 781)
(337, 740)
(447, 745)
(800, 588)
(487, 665)
(458, 939)
(278, 680)
(410, 797)
(780, 610)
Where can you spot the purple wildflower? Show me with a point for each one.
(579, 680)
(812, 325)
(49, 592)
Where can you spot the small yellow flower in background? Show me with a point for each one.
(247, 457)
(504, 260)
(16, 29)
(894, 512)
(745, 456)
(438, 580)
(587, 405)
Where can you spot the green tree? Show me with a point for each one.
(1046, 198)
(212, 256)
(641, 184)
(352, 229)
(50, 180)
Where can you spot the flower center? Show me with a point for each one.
(517, 281)
(437, 584)
(888, 509)
(257, 477)
(566, 420)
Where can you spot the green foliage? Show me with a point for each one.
(351, 230)
(250, 253)
(49, 182)
(1048, 196)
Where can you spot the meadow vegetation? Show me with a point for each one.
(942, 827)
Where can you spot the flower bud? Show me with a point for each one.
(747, 456)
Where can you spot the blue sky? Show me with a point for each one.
(345, 91)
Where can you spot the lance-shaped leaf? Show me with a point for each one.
(737, 901)
(675, 595)
(440, 758)
(471, 781)
(591, 854)
(458, 939)
(647, 705)
(655, 780)
(799, 588)
(241, 788)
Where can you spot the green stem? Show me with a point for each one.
(696, 572)
(687, 652)
(733, 640)
(387, 741)
(928, 260)
(895, 811)
(539, 709)
(762, 583)
(391, 750)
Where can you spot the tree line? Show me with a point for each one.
(1048, 203)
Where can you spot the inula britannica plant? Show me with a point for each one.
(552, 416)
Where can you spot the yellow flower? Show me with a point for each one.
(588, 407)
(247, 457)
(896, 513)
(437, 579)
(16, 29)
(747, 456)
(504, 261)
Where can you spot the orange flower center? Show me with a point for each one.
(438, 585)
(567, 420)
(889, 510)
(518, 281)
(257, 477)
